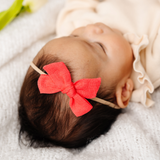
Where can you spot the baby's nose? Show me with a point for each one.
(93, 29)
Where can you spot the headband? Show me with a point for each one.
(58, 79)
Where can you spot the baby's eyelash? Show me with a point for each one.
(101, 47)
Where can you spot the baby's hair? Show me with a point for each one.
(46, 119)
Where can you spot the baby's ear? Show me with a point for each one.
(123, 93)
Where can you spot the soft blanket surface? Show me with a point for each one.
(135, 134)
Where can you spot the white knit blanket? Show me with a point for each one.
(135, 135)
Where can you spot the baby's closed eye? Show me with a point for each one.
(101, 45)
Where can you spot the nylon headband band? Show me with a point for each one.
(36, 68)
(102, 101)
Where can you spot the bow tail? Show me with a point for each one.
(79, 105)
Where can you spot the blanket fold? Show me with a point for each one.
(27, 28)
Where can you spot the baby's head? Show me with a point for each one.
(89, 52)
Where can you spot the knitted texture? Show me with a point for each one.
(134, 136)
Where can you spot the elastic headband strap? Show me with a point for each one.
(36, 68)
(102, 101)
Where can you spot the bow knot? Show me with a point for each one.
(59, 79)
(70, 91)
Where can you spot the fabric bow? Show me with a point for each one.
(59, 79)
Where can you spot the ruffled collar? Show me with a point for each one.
(142, 83)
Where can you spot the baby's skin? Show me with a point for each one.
(95, 51)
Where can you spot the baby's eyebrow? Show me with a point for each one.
(88, 44)
(73, 35)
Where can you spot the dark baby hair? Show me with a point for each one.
(46, 119)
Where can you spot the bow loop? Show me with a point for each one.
(88, 88)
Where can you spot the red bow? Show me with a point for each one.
(59, 79)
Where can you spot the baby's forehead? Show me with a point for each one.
(66, 47)
(76, 53)
(63, 43)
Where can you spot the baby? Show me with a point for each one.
(90, 52)
(77, 85)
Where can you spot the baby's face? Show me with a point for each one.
(113, 51)
(95, 51)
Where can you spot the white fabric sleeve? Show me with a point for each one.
(154, 61)
(76, 13)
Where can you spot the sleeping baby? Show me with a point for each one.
(79, 82)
